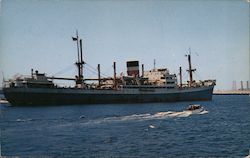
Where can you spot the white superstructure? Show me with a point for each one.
(161, 77)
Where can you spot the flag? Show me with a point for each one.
(74, 39)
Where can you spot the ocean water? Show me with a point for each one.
(128, 130)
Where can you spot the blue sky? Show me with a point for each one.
(37, 34)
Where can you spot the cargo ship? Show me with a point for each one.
(156, 85)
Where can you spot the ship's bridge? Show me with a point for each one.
(37, 80)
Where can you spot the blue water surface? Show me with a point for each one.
(128, 130)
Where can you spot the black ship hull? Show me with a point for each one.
(18, 96)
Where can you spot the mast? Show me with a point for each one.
(32, 73)
(114, 75)
(80, 62)
(180, 77)
(190, 70)
(77, 43)
(99, 75)
(142, 70)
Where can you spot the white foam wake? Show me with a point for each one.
(148, 116)
(23, 120)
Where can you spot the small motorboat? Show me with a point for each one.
(3, 101)
(195, 107)
(248, 156)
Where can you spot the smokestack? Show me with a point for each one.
(247, 86)
(133, 68)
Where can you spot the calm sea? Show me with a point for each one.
(128, 130)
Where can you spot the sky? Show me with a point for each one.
(38, 34)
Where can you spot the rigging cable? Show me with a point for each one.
(64, 70)
(94, 69)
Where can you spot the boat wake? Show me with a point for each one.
(147, 116)
(23, 120)
(126, 118)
